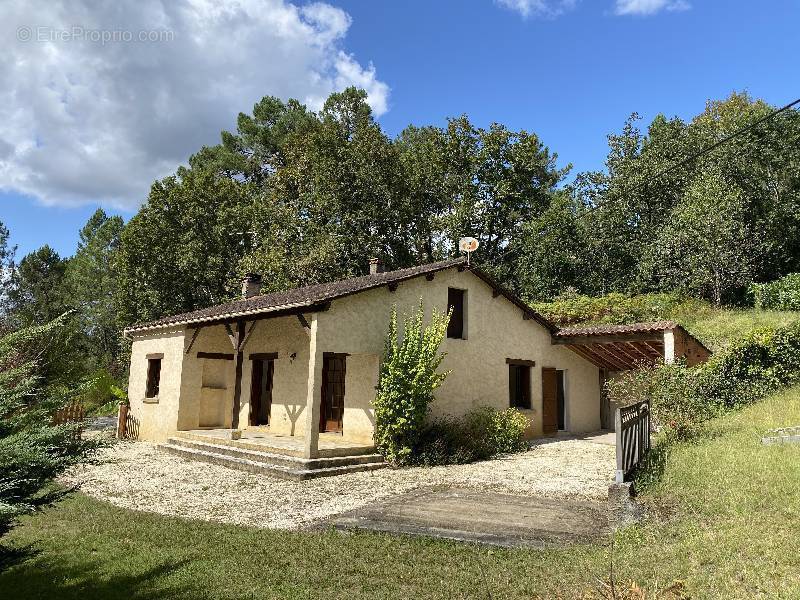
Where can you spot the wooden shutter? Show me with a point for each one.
(549, 400)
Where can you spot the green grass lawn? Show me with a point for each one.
(728, 526)
(717, 327)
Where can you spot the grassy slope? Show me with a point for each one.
(716, 327)
(733, 532)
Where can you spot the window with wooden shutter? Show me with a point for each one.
(455, 303)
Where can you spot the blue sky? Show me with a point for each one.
(571, 71)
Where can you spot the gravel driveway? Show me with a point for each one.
(136, 475)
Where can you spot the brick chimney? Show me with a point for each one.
(375, 266)
(251, 285)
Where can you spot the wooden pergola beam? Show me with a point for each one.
(657, 351)
(619, 365)
(635, 348)
(593, 358)
(618, 351)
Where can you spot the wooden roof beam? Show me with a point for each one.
(619, 364)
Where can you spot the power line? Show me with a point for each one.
(680, 163)
(698, 154)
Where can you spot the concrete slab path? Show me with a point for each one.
(483, 516)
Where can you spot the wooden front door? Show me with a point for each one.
(549, 400)
(332, 407)
(261, 391)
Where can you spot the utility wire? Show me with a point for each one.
(699, 153)
(679, 164)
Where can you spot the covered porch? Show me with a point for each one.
(269, 383)
(617, 348)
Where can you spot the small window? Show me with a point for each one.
(455, 303)
(519, 386)
(153, 377)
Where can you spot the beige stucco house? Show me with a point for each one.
(300, 367)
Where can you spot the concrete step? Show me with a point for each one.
(269, 457)
(298, 470)
(264, 444)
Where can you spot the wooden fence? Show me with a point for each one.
(72, 413)
(632, 425)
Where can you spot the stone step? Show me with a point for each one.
(270, 457)
(274, 447)
(298, 472)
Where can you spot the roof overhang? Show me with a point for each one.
(616, 353)
(248, 315)
(620, 347)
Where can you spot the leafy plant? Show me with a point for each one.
(684, 398)
(33, 451)
(781, 294)
(408, 377)
(501, 431)
(481, 434)
(571, 308)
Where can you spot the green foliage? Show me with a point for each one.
(684, 400)
(710, 227)
(705, 248)
(571, 308)
(501, 431)
(37, 294)
(181, 250)
(781, 294)
(408, 377)
(32, 450)
(747, 370)
(481, 434)
(99, 393)
(90, 284)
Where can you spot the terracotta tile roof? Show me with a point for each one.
(313, 295)
(653, 327)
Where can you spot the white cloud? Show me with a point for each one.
(87, 120)
(538, 8)
(649, 7)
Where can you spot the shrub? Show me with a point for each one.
(674, 394)
(481, 434)
(407, 380)
(782, 294)
(747, 370)
(502, 431)
(615, 308)
(33, 451)
(446, 441)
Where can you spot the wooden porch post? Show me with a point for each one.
(314, 391)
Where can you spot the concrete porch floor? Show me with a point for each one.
(330, 444)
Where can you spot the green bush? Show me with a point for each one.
(782, 294)
(502, 431)
(481, 434)
(572, 309)
(446, 441)
(408, 377)
(747, 370)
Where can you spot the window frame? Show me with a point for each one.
(152, 387)
(462, 334)
(519, 377)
